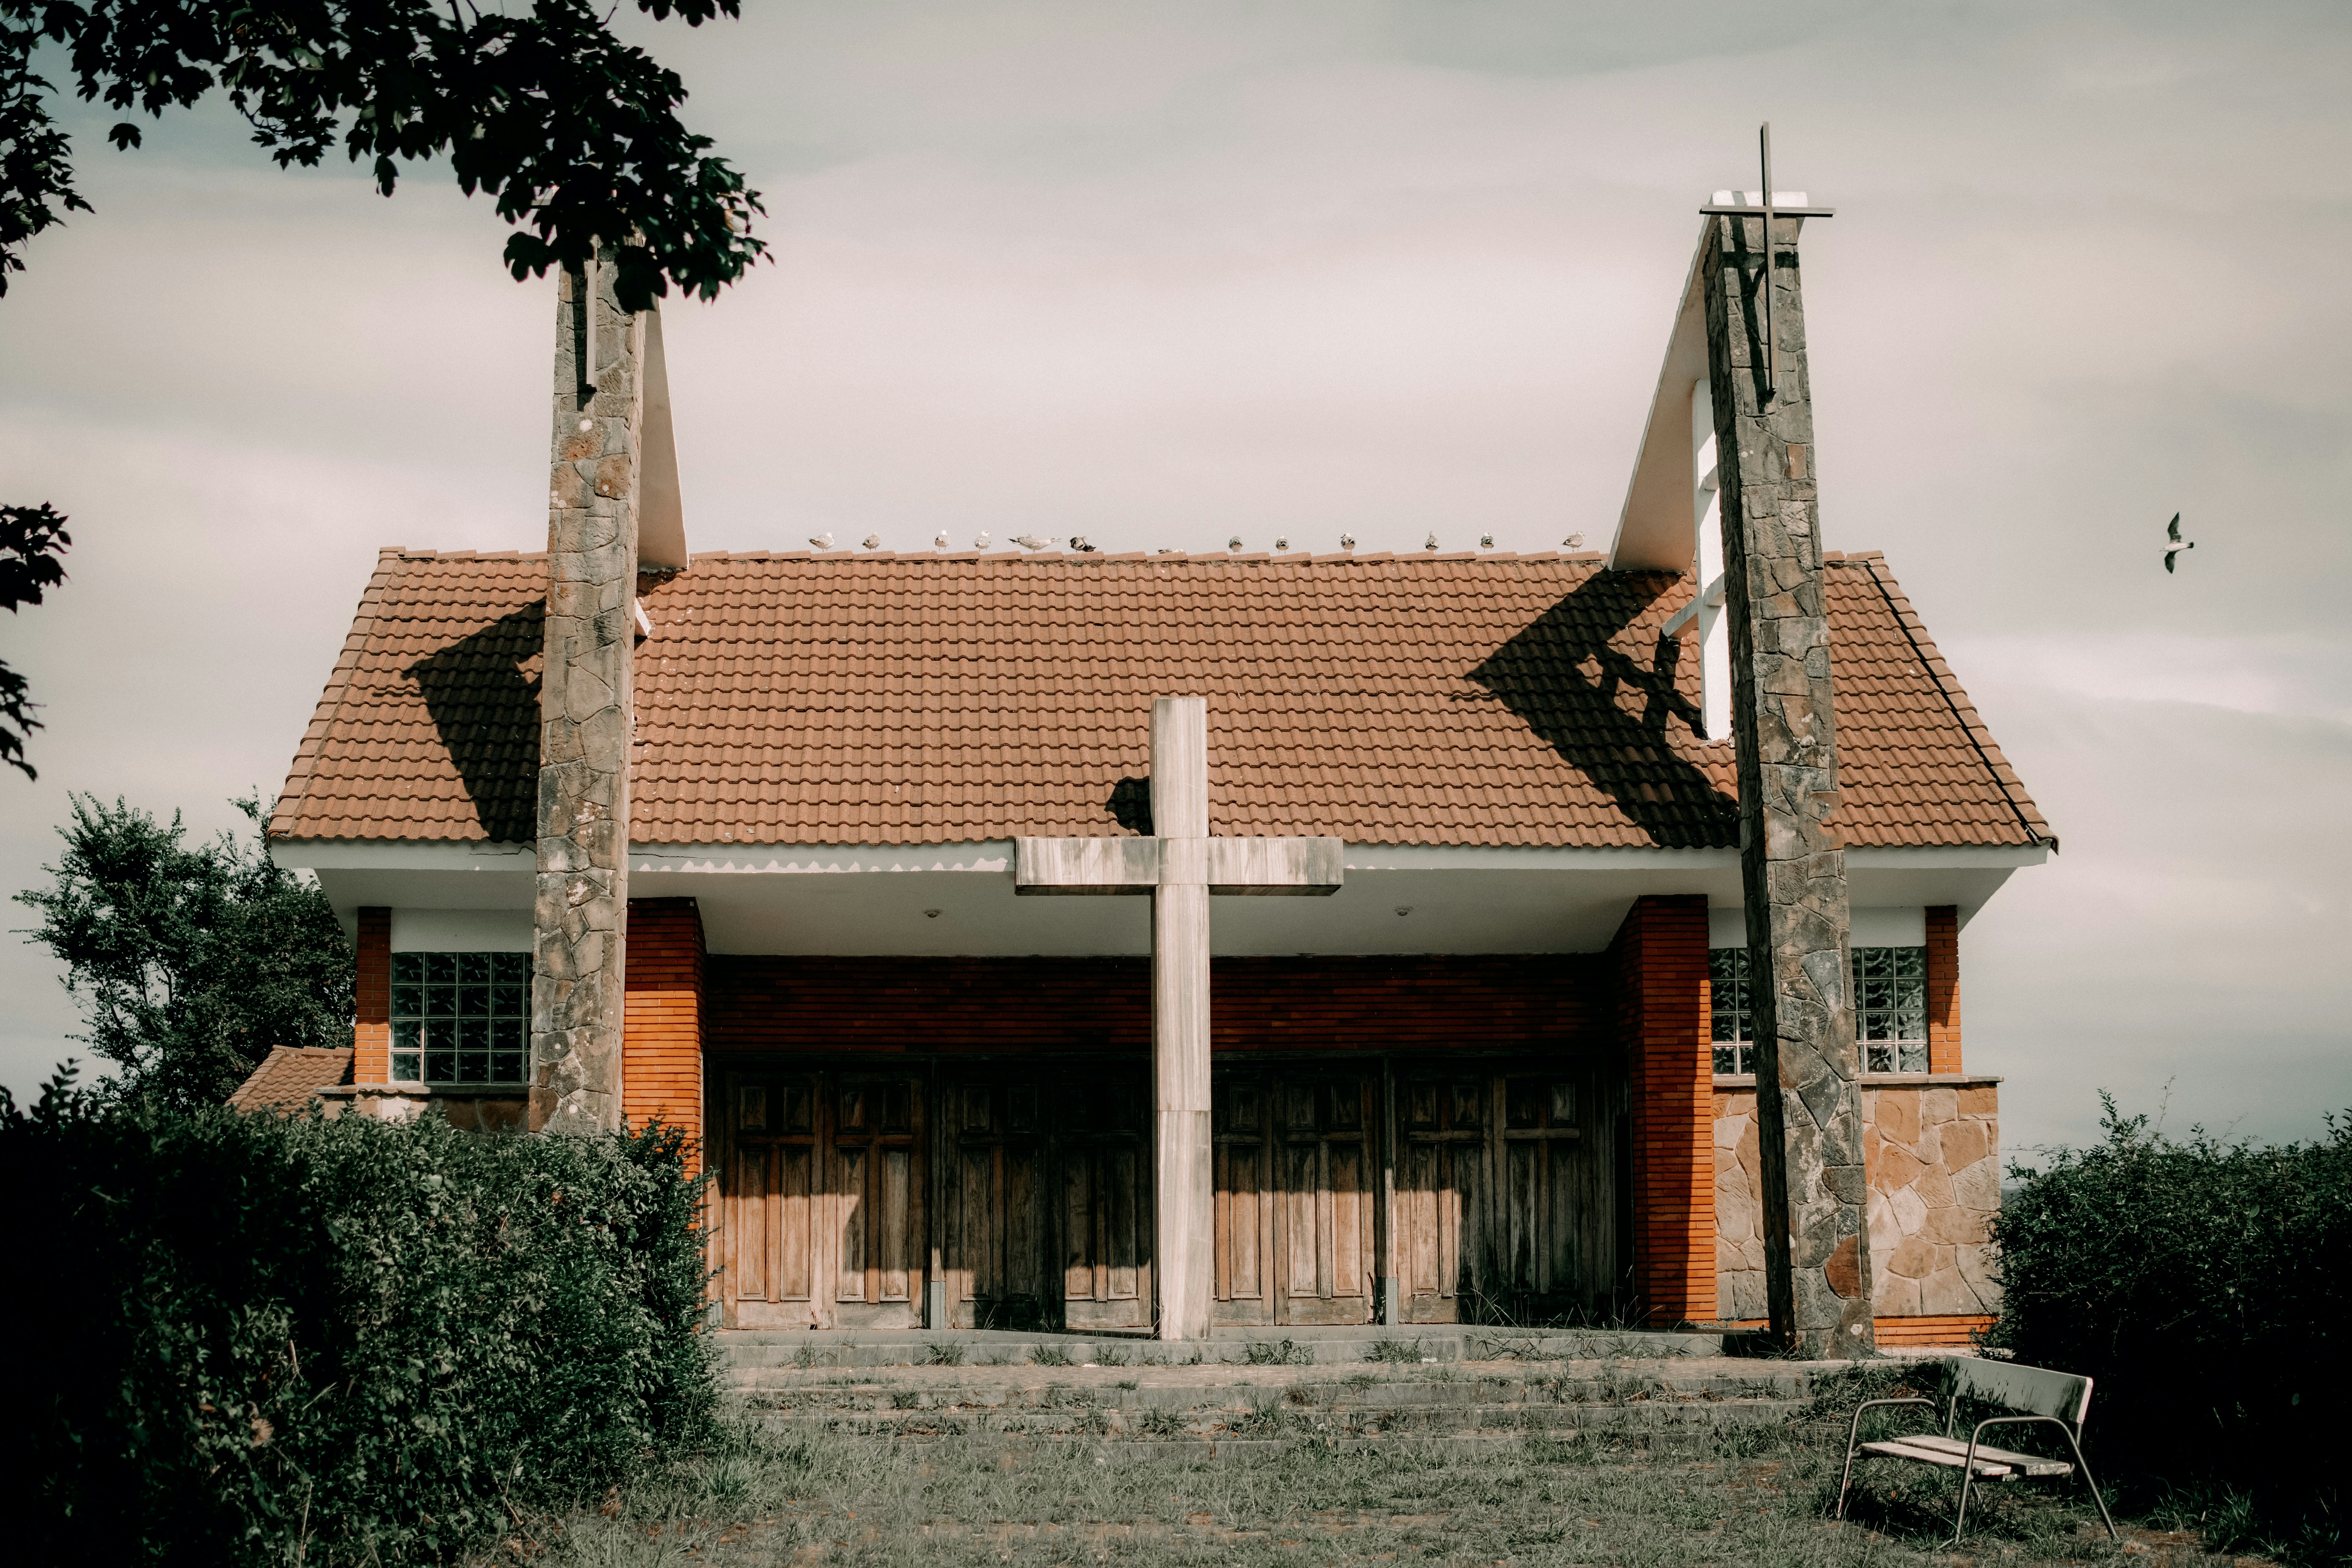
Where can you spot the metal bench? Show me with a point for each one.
(2029, 1394)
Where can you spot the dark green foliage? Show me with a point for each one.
(189, 963)
(575, 134)
(2206, 1286)
(32, 541)
(263, 1339)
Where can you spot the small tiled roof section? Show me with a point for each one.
(290, 1077)
(832, 698)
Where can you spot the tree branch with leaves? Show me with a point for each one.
(572, 133)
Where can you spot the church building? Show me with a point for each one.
(1168, 943)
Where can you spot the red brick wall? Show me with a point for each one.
(1943, 988)
(661, 1020)
(1105, 1003)
(371, 1014)
(1658, 966)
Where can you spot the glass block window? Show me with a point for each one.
(1727, 973)
(1890, 1007)
(460, 1017)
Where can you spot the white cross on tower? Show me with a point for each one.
(1180, 866)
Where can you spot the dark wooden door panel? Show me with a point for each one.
(1296, 1156)
(1049, 1202)
(1506, 1205)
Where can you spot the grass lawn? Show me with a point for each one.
(1759, 1497)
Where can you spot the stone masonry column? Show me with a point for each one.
(1809, 1070)
(1184, 1189)
(586, 714)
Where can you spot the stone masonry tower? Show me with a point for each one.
(1808, 1068)
(586, 713)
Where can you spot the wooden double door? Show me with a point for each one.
(1018, 1193)
(1507, 1205)
(823, 1199)
(1021, 1192)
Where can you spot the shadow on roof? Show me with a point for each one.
(1569, 676)
(487, 709)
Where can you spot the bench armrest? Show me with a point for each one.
(1853, 1432)
(2020, 1421)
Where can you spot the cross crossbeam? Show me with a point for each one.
(1180, 865)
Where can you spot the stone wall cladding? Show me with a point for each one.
(1932, 1154)
(1658, 964)
(587, 713)
(661, 1034)
(1792, 860)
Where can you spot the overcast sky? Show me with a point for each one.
(1162, 274)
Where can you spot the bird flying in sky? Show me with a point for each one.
(2172, 531)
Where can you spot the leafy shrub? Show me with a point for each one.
(262, 1339)
(2205, 1285)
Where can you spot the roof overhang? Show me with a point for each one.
(959, 898)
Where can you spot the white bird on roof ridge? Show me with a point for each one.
(2172, 531)
(1030, 542)
(981, 542)
(1347, 541)
(1282, 545)
(1573, 541)
(1486, 541)
(872, 541)
(820, 540)
(1431, 543)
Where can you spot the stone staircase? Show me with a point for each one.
(1258, 1392)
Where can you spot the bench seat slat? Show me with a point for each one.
(1993, 1464)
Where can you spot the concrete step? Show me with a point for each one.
(1226, 1404)
(807, 1349)
(1571, 1384)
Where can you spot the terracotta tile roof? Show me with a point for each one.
(290, 1077)
(1488, 699)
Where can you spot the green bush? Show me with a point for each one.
(2205, 1286)
(262, 1339)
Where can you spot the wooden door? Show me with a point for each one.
(997, 1243)
(821, 1199)
(1441, 1194)
(770, 1191)
(1541, 1253)
(1296, 1153)
(876, 1191)
(1506, 1193)
(1048, 1206)
(1101, 1159)
(1239, 1123)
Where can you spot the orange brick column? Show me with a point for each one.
(372, 1010)
(661, 1028)
(1943, 988)
(1658, 961)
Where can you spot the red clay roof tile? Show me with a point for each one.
(791, 698)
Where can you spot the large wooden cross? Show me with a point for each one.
(1180, 866)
